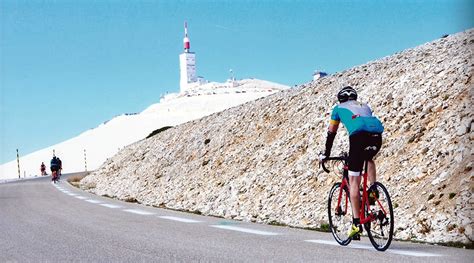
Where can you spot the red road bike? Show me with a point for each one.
(55, 176)
(376, 212)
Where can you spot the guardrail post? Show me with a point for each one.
(85, 160)
(18, 162)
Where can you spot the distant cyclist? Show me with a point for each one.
(365, 140)
(43, 169)
(60, 170)
(54, 169)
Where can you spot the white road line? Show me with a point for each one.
(138, 211)
(64, 191)
(71, 194)
(110, 206)
(413, 253)
(92, 201)
(246, 230)
(80, 197)
(179, 219)
(369, 247)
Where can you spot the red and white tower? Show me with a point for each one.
(186, 43)
(187, 63)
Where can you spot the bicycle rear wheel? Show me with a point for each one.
(380, 229)
(340, 214)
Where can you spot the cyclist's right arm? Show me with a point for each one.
(332, 131)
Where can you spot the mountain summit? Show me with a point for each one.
(104, 141)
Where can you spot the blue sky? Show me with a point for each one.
(67, 66)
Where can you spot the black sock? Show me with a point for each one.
(356, 221)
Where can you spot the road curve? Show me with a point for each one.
(41, 222)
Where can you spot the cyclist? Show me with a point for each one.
(54, 168)
(365, 140)
(60, 169)
(43, 169)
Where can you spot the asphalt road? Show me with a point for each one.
(41, 222)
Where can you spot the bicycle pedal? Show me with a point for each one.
(356, 237)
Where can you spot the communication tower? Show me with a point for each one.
(187, 63)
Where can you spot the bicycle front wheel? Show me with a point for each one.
(380, 228)
(340, 214)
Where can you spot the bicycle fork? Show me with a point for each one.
(339, 210)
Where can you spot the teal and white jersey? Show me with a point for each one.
(356, 117)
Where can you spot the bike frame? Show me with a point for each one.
(54, 175)
(344, 183)
(364, 199)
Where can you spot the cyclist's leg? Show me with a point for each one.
(356, 229)
(371, 171)
(356, 161)
(54, 173)
(354, 182)
(374, 143)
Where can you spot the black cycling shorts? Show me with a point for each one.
(363, 146)
(54, 168)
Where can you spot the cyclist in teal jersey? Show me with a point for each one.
(365, 140)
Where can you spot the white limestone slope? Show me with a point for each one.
(104, 141)
(259, 162)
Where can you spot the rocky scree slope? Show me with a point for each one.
(258, 162)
